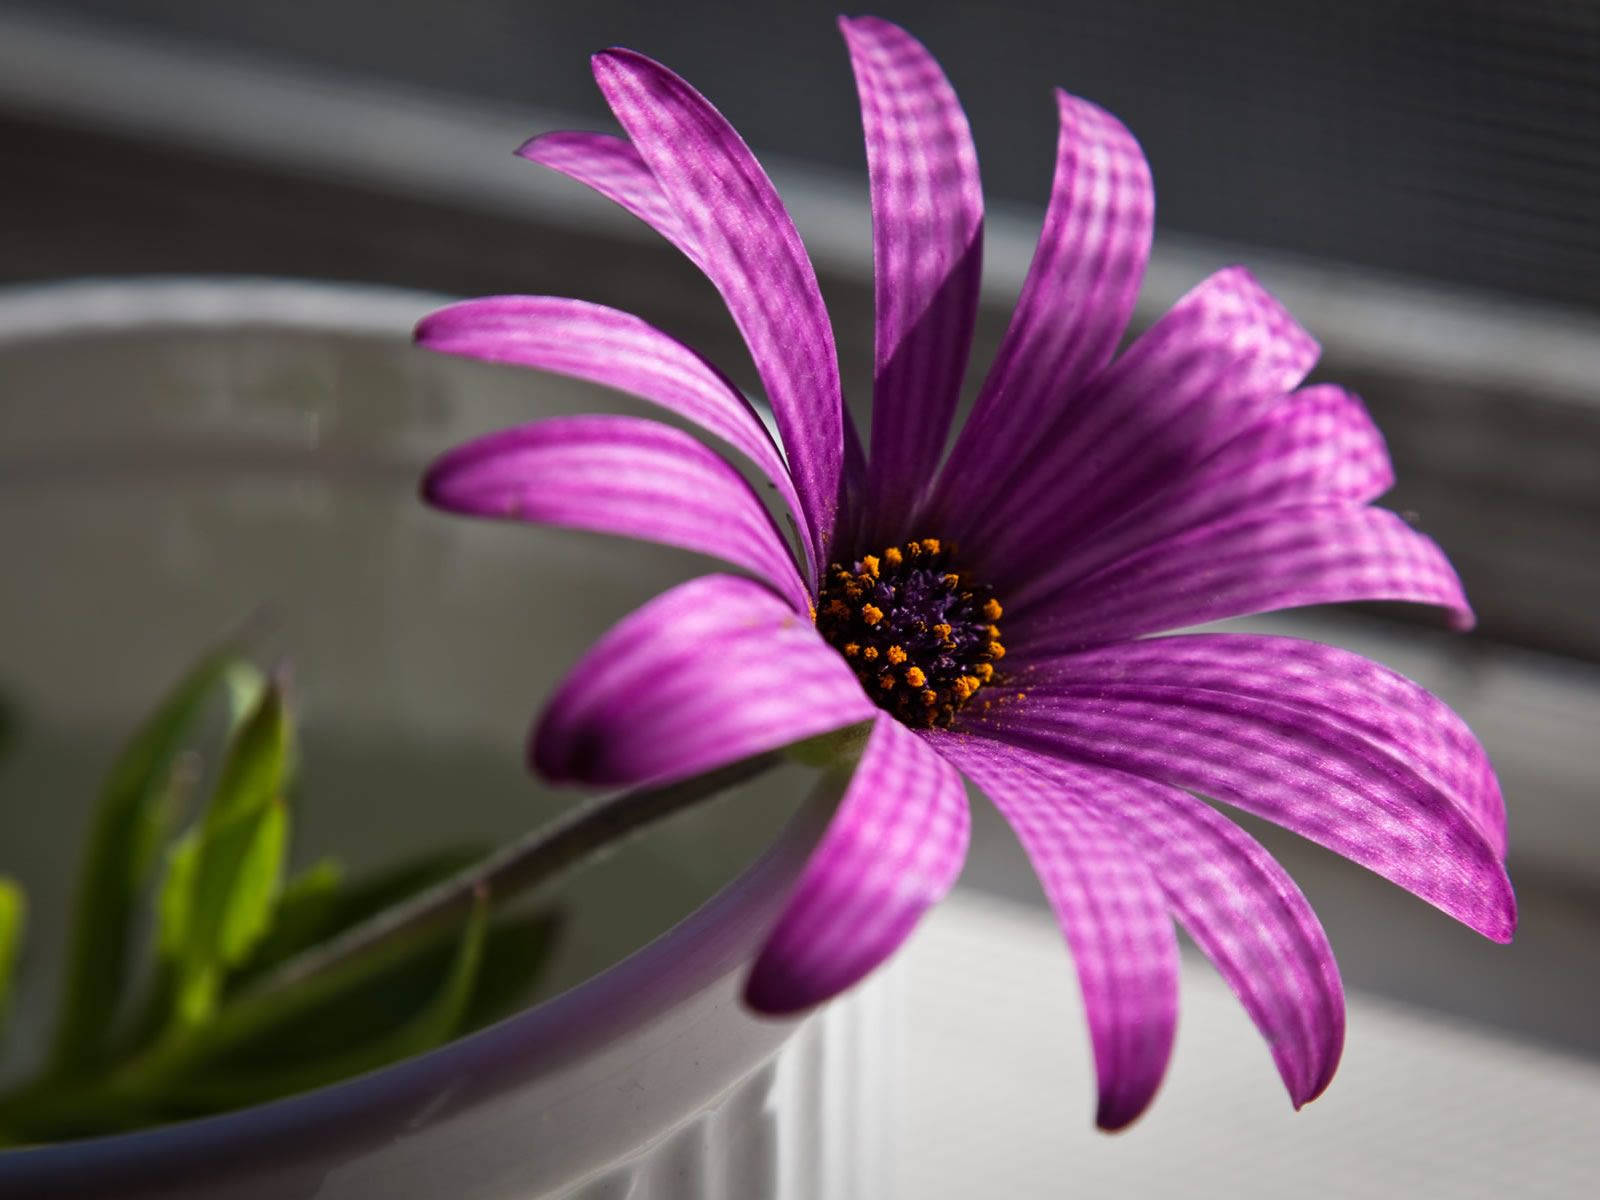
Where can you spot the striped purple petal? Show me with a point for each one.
(715, 670)
(1328, 684)
(748, 248)
(620, 475)
(892, 850)
(612, 167)
(1315, 446)
(1189, 384)
(1242, 910)
(1110, 909)
(927, 228)
(618, 350)
(1250, 562)
(1298, 766)
(1075, 302)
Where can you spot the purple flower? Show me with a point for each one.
(988, 616)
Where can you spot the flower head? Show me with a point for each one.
(986, 610)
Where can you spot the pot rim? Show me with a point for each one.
(697, 954)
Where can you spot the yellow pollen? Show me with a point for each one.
(930, 545)
(869, 564)
(871, 614)
(984, 671)
(992, 610)
(886, 681)
(851, 649)
(813, 609)
(838, 610)
(943, 630)
(965, 685)
(952, 580)
(929, 697)
(892, 556)
(994, 633)
(896, 655)
(996, 650)
(915, 678)
(870, 653)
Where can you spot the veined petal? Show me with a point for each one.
(749, 248)
(1189, 384)
(618, 350)
(927, 244)
(1331, 686)
(620, 475)
(1075, 302)
(1110, 909)
(1251, 562)
(894, 847)
(715, 670)
(1316, 446)
(1242, 910)
(612, 167)
(1288, 764)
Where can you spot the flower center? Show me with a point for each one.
(919, 633)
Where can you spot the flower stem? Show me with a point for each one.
(533, 860)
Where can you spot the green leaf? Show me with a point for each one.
(303, 1050)
(13, 924)
(117, 861)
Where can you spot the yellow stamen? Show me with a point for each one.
(994, 633)
(930, 545)
(992, 610)
(871, 614)
(893, 557)
(984, 671)
(869, 564)
(996, 650)
(838, 610)
(929, 697)
(915, 678)
(942, 629)
(870, 653)
(886, 681)
(896, 655)
(851, 649)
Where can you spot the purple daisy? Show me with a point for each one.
(985, 613)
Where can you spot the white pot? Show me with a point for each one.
(172, 454)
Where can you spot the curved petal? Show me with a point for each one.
(1190, 383)
(1316, 446)
(1109, 908)
(715, 670)
(1242, 910)
(892, 851)
(1075, 302)
(927, 245)
(1287, 764)
(1329, 685)
(618, 475)
(1248, 563)
(617, 350)
(749, 249)
(612, 167)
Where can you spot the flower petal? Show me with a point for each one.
(1315, 446)
(1075, 302)
(1251, 562)
(611, 166)
(1110, 909)
(927, 246)
(1329, 685)
(1220, 356)
(749, 249)
(715, 670)
(1242, 910)
(618, 350)
(1291, 765)
(618, 475)
(892, 851)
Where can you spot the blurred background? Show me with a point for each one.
(1417, 179)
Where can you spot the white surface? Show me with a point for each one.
(997, 1092)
